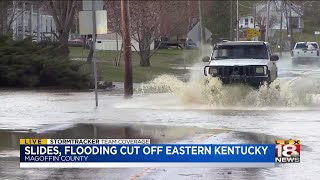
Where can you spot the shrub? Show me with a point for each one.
(26, 64)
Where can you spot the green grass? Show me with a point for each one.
(299, 36)
(161, 63)
(306, 37)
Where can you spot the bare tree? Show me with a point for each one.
(114, 24)
(63, 13)
(12, 16)
(10, 13)
(144, 24)
(261, 21)
(176, 19)
(4, 16)
(150, 20)
(153, 19)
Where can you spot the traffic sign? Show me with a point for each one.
(251, 33)
(86, 24)
(194, 34)
(87, 5)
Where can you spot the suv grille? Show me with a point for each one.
(237, 70)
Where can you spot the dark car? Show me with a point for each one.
(189, 44)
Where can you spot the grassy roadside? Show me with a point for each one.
(298, 36)
(161, 63)
(306, 37)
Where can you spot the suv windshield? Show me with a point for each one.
(240, 52)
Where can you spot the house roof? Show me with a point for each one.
(246, 16)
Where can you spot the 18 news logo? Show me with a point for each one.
(287, 151)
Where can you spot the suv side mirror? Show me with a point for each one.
(206, 59)
(274, 58)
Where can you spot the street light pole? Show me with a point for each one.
(200, 27)
(23, 18)
(31, 20)
(237, 20)
(231, 20)
(267, 21)
(281, 24)
(291, 27)
(126, 40)
(94, 31)
(38, 22)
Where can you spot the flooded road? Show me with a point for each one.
(178, 116)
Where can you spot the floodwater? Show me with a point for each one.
(169, 110)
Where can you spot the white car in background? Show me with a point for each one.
(249, 62)
(305, 53)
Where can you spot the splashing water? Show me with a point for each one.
(211, 91)
(276, 94)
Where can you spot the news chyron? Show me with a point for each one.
(126, 153)
(287, 151)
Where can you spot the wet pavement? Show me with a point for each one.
(163, 118)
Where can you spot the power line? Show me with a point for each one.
(245, 6)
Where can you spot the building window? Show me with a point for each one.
(251, 20)
(246, 21)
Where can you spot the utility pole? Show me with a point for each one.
(237, 20)
(200, 27)
(38, 22)
(255, 20)
(22, 17)
(126, 40)
(281, 24)
(231, 20)
(17, 25)
(51, 29)
(1, 17)
(14, 22)
(117, 43)
(267, 21)
(31, 20)
(94, 31)
(255, 16)
(287, 17)
(291, 27)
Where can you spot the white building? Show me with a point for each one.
(109, 42)
(276, 10)
(246, 22)
(291, 13)
(24, 17)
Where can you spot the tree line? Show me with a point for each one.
(152, 20)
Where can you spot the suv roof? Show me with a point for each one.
(232, 43)
(305, 42)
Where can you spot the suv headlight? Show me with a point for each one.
(260, 70)
(213, 70)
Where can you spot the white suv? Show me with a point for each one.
(250, 62)
(305, 53)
